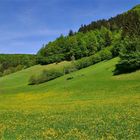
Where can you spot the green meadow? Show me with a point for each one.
(94, 105)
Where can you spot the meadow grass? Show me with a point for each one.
(93, 105)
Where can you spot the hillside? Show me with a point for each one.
(118, 22)
(137, 8)
(94, 37)
(10, 63)
(93, 105)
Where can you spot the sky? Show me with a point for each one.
(25, 25)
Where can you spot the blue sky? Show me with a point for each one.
(25, 25)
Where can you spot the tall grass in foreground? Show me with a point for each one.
(95, 106)
(107, 119)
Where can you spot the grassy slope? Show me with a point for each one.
(93, 105)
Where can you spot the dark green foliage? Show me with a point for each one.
(41, 60)
(129, 22)
(70, 78)
(128, 63)
(130, 57)
(71, 33)
(131, 25)
(10, 63)
(50, 59)
(117, 48)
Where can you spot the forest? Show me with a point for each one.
(10, 63)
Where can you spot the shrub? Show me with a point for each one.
(42, 60)
(45, 76)
(128, 63)
(69, 78)
(7, 71)
(10, 63)
(95, 58)
(129, 57)
(83, 63)
(118, 46)
(33, 80)
(105, 54)
(69, 69)
(11, 70)
(19, 67)
(50, 59)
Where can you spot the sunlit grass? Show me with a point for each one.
(93, 105)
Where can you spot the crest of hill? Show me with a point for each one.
(136, 8)
(116, 21)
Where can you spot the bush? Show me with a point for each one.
(83, 63)
(33, 80)
(118, 46)
(105, 54)
(19, 67)
(7, 71)
(11, 70)
(69, 69)
(45, 76)
(95, 58)
(128, 63)
(130, 57)
(69, 78)
(42, 60)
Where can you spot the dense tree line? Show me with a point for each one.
(77, 46)
(128, 22)
(10, 63)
